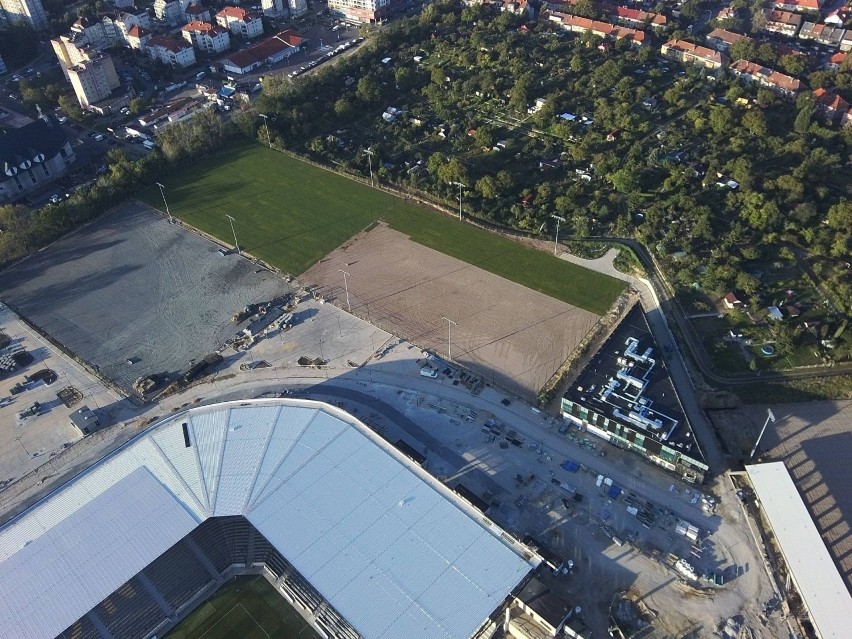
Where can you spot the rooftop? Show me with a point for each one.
(816, 578)
(41, 138)
(329, 494)
(628, 381)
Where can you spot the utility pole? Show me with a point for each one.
(163, 193)
(346, 286)
(770, 417)
(266, 124)
(369, 153)
(556, 241)
(450, 324)
(461, 186)
(237, 244)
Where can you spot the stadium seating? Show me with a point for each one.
(130, 612)
(177, 575)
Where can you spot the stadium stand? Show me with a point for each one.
(129, 611)
(178, 575)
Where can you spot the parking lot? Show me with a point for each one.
(134, 295)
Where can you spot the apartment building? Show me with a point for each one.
(782, 22)
(723, 40)
(32, 156)
(208, 38)
(693, 54)
(241, 23)
(94, 79)
(171, 11)
(367, 11)
(782, 84)
(29, 12)
(171, 51)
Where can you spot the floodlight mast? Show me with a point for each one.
(558, 219)
(770, 417)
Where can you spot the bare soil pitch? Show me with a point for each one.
(512, 336)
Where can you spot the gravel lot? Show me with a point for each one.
(130, 285)
(513, 336)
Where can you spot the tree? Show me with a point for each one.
(744, 50)
(755, 123)
(453, 171)
(486, 136)
(344, 109)
(793, 64)
(487, 187)
(625, 180)
(369, 90)
(748, 283)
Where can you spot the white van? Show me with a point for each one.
(428, 371)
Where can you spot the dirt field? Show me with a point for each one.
(815, 443)
(513, 336)
(132, 286)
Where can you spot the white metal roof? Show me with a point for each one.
(817, 578)
(392, 549)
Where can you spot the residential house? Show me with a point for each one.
(839, 17)
(132, 18)
(98, 33)
(803, 6)
(822, 33)
(726, 14)
(782, 22)
(240, 22)
(723, 40)
(171, 11)
(830, 105)
(197, 13)
(269, 51)
(170, 50)
(518, 7)
(637, 17)
(579, 24)
(690, 53)
(138, 38)
(32, 156)
(836, 61)
(206, 37)
(780, 83)
(732, 301)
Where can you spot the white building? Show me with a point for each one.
(369, 11)
(30, 12)
(138, 38)
(171, 11)
(210, 39)
(94, 79)
(171, 51)
(197, 13)
(297, 8)
(273, 8)
(132, 18)
(240, 22)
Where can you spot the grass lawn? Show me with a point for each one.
(244, 608)
(290, 214)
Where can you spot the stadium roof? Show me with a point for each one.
(817, 579)
(386, 544)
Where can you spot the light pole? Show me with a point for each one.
(450, 324)
(266, 124)
(556, 241)
(369, 153)
(237, 244)
(346, 286)
(770, 417)
(163, 193)
(461, 186)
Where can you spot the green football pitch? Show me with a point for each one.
(290, 214)
(244, 608)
